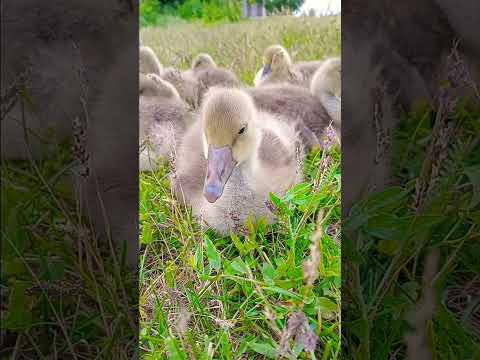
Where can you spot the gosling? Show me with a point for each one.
(203, 74)
(278, 67)
(298, 106)
(203, 61)
(164, 117)
(326, 85)
(231, 160)
(208, 74)
(148, 61)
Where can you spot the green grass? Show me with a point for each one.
(387, 240)
(203, 296)
(152, 13)
(239, 46)
(227, 284)
(62, 294)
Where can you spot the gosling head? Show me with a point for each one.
(154, 85)
(333, 74)
(228, 118)
(203, 61)
(148, 61)
(275, 57)
(328, 77)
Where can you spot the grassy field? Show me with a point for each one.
(239, 46)
(62, 294)
(273, 292)
(410, 269)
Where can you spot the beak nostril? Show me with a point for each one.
(220, 166)
(212, 192)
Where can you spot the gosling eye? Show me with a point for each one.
(242, 130)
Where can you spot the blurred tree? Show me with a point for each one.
(153, 11)
(270, 5)
(279, 5)
(173, 3)
(161, 3)
(149, 10)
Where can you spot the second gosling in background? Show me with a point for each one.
(327, 86)
(278, 67)
(148, 61)
(163, 119)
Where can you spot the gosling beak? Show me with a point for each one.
(219, 168)
(267, 69)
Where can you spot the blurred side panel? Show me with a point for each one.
(69, 151)
(410, 167)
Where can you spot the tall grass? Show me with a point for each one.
(62, 294)
(272, 292)
(153, 13)
(240, 46)
(411, 284)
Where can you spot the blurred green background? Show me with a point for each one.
(158, 12)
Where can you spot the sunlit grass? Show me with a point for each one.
(240, 46)
(389, 237)
(61, 290)
(203, 296)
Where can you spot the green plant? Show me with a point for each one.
(149, 12)
(204, 296)
(60, 288)
(388, 237)
(210, 11)
(272, 5)
(215, 11)
(239, 46)
(191, 9)
(232, 296)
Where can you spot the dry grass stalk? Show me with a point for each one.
(420, 318)
(299, 330)
(311, 266)
(443, 130)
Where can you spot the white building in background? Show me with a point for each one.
(253, 11)
(256, 10)
(321, 7)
